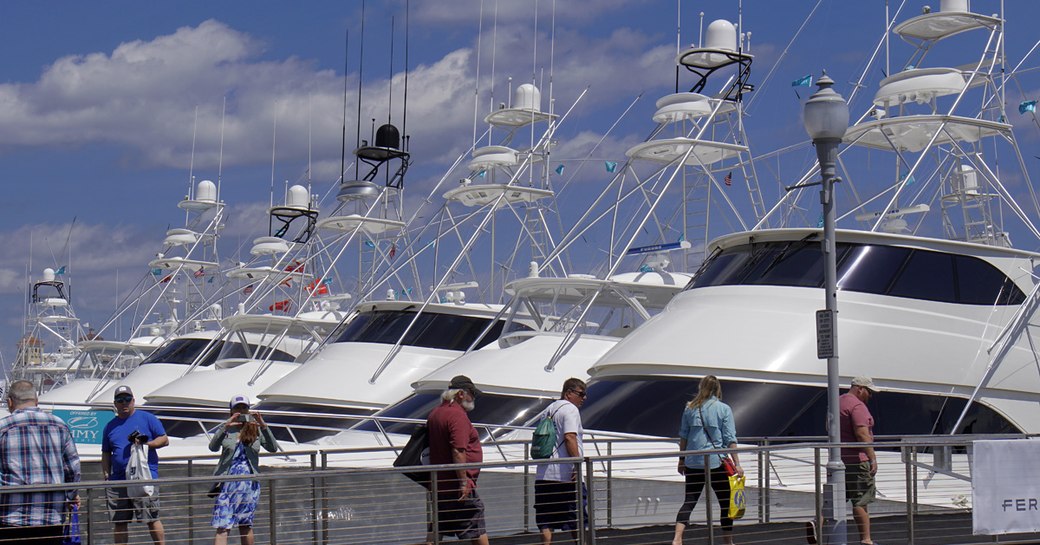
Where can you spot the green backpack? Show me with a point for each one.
(543, 441)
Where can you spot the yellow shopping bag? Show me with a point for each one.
(737, 501)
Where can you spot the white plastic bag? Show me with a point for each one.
(138, 473)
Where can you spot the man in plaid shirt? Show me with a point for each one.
(36, 447)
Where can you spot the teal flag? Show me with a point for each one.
(1027, 106)
(802, 82)
(611, 165)
(559, 170)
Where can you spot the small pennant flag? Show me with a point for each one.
(370, 244)
(61, 270)
(611, 165)
(393, 250)
(248, 289)
(166, 279)
(210, 279)
(1027, 106)
(314, 288)
(156, 272)
(802, 82)
(559, 170)
(908, 180)
(819, 222)
(728, 180)
(295, 266)
(482, 173)
(200, 273)
(283, 305)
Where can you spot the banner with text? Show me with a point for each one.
(86, 426)
(1005, 487)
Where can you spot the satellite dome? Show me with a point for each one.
(721, 35)
(298, 197)
(953, 5)
(388, 136)
(206, 191)
(527, 97)
(48, 275)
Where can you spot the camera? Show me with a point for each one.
(245, 418)
(137, 437)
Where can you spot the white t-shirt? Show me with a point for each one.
(565, 416)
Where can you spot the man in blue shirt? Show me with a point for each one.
(129, 426)
(36, 447)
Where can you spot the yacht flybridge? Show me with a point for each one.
(933, 302)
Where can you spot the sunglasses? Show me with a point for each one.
(124, 399)
(582, 393)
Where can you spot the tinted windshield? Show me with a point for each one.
(655, 407)
(237, 350)
(493, 409)
(184, 352)
(886, 270)
(431, 330)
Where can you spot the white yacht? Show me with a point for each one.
(48, 349)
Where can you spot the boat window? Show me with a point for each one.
(306, 420)
(773, 410)
(490, 410)
(237, 350)
(886, 270)
(927, 275)
(184, 352)
(979, 283)
(431, 330)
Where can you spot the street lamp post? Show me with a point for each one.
(826, 118)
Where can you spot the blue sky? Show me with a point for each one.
(97, 102)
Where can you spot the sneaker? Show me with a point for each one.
(810, 532)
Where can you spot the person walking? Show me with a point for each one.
(707, 423)
(857, 426)
(131, 426)
(454, 440)
(555, 490)
(36, 447)
(239, 440)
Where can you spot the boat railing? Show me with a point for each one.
(632, 494)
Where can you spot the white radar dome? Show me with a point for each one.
(953, 5)
(298, 197)
(206, 191)
(48, 275)
(721, 35)
(528, 97)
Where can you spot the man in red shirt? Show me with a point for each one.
(857, 426)
(454, 440)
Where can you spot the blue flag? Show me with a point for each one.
(819, 222)
(559, 170)
(802, 82)
(611, 165)
(156, 272)
(482, 173)
(908, 180)
(60, 271)
(1027, 106)
(370, 244)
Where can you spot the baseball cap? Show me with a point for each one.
(123, 390)
(238, 400)
(462, 382)
(865, 382)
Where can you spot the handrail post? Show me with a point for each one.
(436, 509)
(709, 493)
(272, 512)
(819, 493)
(527, 489)
(591, 515)
(315, 513)
(766, 496)
(86, 512)
(908, 471)
(579, 508)
(191, 507)
(324, 500)
(610, 486)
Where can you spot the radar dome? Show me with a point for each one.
(528, 97)
(298, 197)
(953, 5)
(388, 136)
(206, 191)
(48, 275)
(721, 35)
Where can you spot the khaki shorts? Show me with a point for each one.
(122, 508)
(860, 487)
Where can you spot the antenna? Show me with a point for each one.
(220, 160)
(390, 97)
(343, 137)
(361, 68)
(476, 81)
(404, 113)
(274, 132)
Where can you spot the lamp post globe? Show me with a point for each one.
(826, 118)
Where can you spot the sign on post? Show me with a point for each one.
(1005, 486)
(824, 334)
(86, 426)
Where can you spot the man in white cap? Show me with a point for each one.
(128, 427)
(857, 426)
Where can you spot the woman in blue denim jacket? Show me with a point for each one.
(707, 424)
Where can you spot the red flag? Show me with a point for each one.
(728, 179)
(248, 289)
(199, 273)
(318, 289)
(284, 305)
(166, 279)
(393, 250)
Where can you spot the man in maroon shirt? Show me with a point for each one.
(857, 426)
(454, 440)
